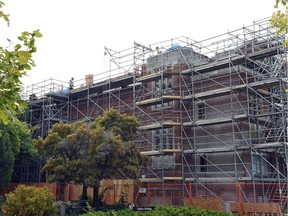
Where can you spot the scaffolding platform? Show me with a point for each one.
(233, 60)
(173, 178)
(231, 148)
(161, 152)
(158, 125)
(158, 100)
(150, 180)
(213, 121)
(216, 92)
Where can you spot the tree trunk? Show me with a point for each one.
(84, 193)
(96, 201)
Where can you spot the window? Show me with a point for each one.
(201, 111)
(163, 87)
(257, 164)
(163, 162)
(164, 105)
(203, 163)
(156, 140)
(162, 139)
(167, 138)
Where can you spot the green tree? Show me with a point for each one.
(15, 61)
(13, 137)
(87, 153)
(66, 145)
(113, 152)
(279, 18)
(29, 200)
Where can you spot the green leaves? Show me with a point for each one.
(59, 170)
(160, 211)
(37, 34)
(13, 136)
(121, 124)
(14, 63)
(29, 200)
(114, 148)
(279, 19)
(67, 143)
(283, 2)
(87, 153)
(24, 54)
(4, 116)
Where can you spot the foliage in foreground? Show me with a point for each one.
(15, 142)
(29, 200)
(15, 61)
(160, 211)
(85, 153)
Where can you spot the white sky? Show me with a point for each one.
(76, 32)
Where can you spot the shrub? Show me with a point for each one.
(160, 211)
(29, 200)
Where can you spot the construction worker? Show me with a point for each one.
(158, 50)
(71, 83)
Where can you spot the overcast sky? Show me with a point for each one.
(76, 32)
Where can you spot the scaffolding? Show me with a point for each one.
(47, 104)
(211, 111)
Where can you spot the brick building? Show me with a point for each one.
(212, 112)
